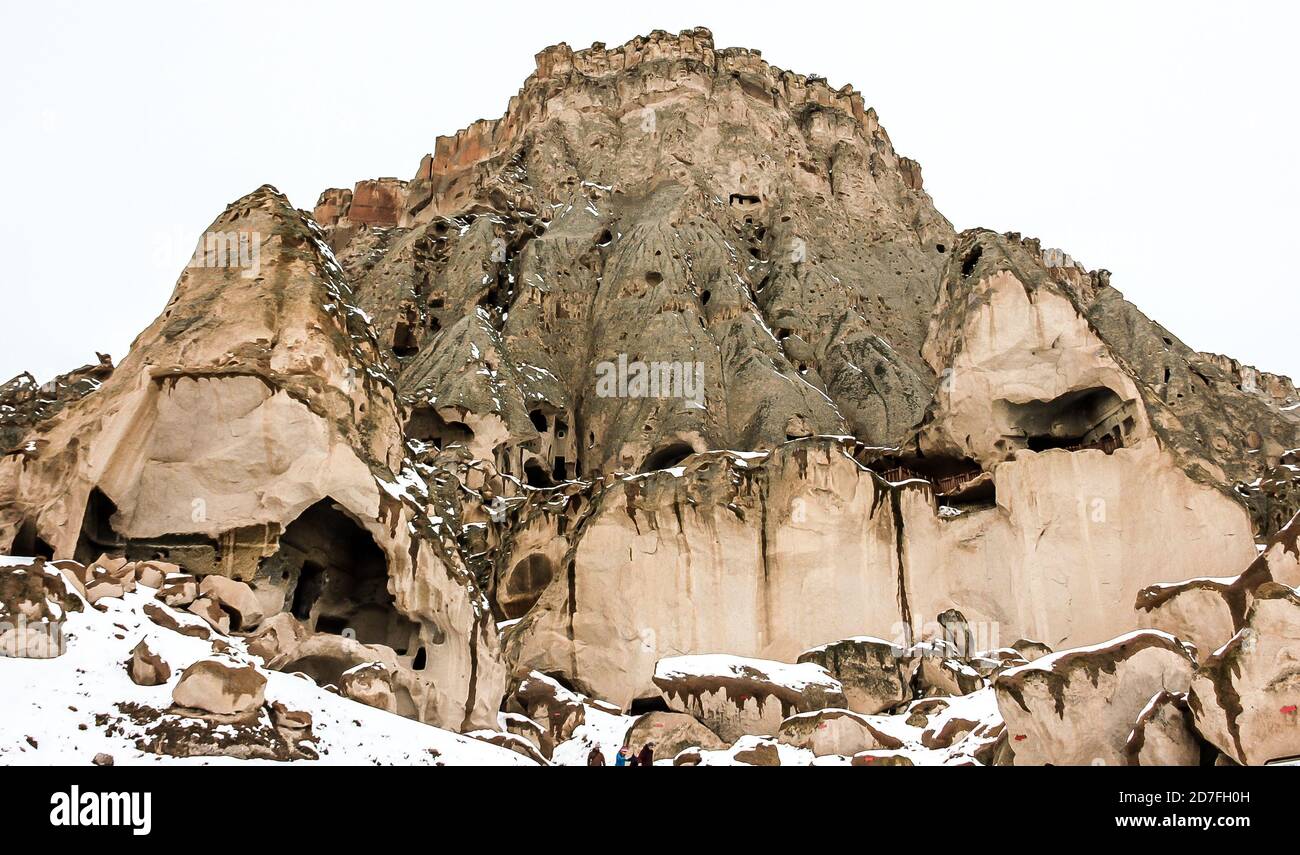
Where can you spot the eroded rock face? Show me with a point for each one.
(1246, 694)
(808, 545)
(676, 357)
(1078, 707)
(253, 437)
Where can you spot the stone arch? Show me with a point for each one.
(334, 578)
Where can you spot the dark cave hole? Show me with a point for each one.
(641, 706)
(538, 418)
(337, 578)
(427, 426)
(29, 543)
(666, 456)
(97, 534)
(1089, 418)
(972, 258)
(535, 475)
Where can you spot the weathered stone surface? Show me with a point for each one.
(1246, 694)
(256, 420)
(220, 687)
(1078, 707)
(870, 670)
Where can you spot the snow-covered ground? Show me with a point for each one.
(66, 710)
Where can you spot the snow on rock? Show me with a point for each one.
(733, 695)
(1246, 696)
(1078, 707)
(869, 669)
(84, 704)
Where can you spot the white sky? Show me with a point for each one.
(1153, 139)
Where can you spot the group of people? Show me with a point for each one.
(625, 757)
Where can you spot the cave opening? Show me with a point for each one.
(972, 258)
(428, 427)
(666, 456)
(29, 543)
(335, 578)
(641, 706)
(742, 200)
(404, 340)
(535, 474)
(1094, 418)
(524, 585)
(97, 535)
(538, 418)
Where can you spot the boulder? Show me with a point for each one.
(835, 731)
(755, 751)
(734, 696)
(1077, 707)
(1163, 734)
(180, 622)
(557, 709)
(671, 732)
(369, 683)
(236, 599)
(33, 602)
(275, 635)
(207, 608)
(220, 687)
(178, 589)
(154, 574)
(869, 669)
(146, 667)
(1245, 698)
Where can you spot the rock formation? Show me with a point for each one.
(674, 364)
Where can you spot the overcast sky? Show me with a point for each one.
(1155, 140)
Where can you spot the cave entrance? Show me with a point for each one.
(428, 427)
(97, 535)
(666, 456)
(535, 474)
(29, 543)
(1090, 418)
(335, 578)
(524, 585)
(641, 706)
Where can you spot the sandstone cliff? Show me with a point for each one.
(676, 357)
